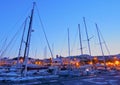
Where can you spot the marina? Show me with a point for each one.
(82, 68)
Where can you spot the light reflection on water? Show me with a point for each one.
(96, 80)
(37, 83)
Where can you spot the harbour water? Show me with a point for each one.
(83, 80)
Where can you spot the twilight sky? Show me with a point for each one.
(57, 16)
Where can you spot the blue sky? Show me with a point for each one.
(57, 16)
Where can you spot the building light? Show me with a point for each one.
(90, 63)
(77, 64)
(117, 62)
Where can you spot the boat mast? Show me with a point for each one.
(53, 49)
(27, 45)
(87, 35)
(69, 65)
(104, 43)
(68, 44)
(100, 43)
(19, 53)
(81, 49)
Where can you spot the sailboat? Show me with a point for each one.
(21, 74)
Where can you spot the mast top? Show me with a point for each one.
(34, 3)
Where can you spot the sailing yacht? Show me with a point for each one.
(20, 72)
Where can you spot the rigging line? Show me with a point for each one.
(10, 49)
(13, 27)
(19, 19)
(2, 37)
(3, 52)
(3, 45)
(64, 40)
(7, 46)
(11, 46)
(19, 53)
(53, 49)
(99, 38)
(35, 53)
(23, 26)
(68, 43)
(45, 53)
(44, 32)
(74, 41)
(104, 42)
